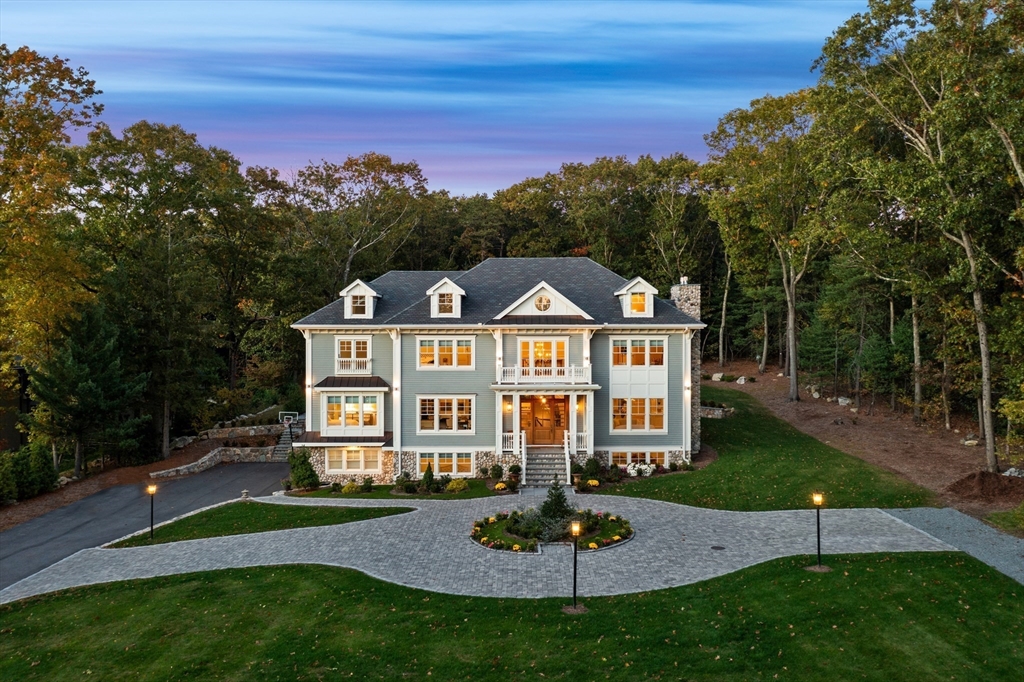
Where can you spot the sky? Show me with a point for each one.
(480, 94)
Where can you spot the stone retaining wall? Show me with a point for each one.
(716, 412)
(243, 431)
(215, 457)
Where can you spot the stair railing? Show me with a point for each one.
(522, 450)
(568, 460)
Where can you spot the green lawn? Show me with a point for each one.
(1011, 521)
(256, 517)
(764, 463)
(905, 617)
(477, 488)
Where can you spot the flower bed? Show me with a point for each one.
(597, 474)
(523, 531)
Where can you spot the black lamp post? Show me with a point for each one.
(818, 499)
(152, 495)
(575, 549)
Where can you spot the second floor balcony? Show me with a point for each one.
(573, 374)
(353, 366)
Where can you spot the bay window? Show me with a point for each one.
(353, 414)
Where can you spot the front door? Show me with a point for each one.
(543, 419)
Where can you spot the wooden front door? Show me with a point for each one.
(543, 419)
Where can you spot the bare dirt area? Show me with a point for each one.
(14, 514)
(927, 455)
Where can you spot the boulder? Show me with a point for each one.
(181, 442)
(816, 395)
(717, 376)
(970, 443)
(844, 401)
(780, 374)
(741, 380)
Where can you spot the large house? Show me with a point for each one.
(530, 361)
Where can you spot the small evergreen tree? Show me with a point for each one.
(428, 479)
(303, 475)
(556, 506)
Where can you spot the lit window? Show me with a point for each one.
(542, 303)
(369, 410)
(620, 458)
(446, 353)
(638, 303)
(657, 458)
(353, 356)
(426, 460)
(657, 413)
(638, 356)
(638, 413)
(445, 304)
(618, 413)
(619, 353)
(358, 305)
(334, 410)
(444, 463)
(426, 353)
(351, 410)
(464, 463)
(657, 349)
(352, 460)
(446, 414)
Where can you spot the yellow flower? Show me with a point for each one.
(500, 486)
(483, 540)
(491, 520)
(516, 548)
(616, 538)
(592, 545)
(611, 518)
(593, 483)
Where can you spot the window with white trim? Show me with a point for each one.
(621, 458)
(450, 463)
(352, 355)
(353, 414)
(446, 352)
(445, 414)
(634, 352)
(638, 414)
(352, 460)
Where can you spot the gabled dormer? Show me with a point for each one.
(445, 299)
(637, 298)
(545, 301)
(360, 300)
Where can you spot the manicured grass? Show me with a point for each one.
(256, 517)
(880, 618)
(764, 464)
(477, 488)
(1011, 521)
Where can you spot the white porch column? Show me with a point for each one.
(499, 421)
(396, 395)
(308, 388)
(572, 417)
(515, 423)
(687, 391)
(590, 422)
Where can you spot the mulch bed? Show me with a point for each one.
(986, 486)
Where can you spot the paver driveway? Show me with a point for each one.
(430, 548)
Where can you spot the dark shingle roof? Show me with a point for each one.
(353, 382)
(494, 285)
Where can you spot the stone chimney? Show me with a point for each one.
(686, 297)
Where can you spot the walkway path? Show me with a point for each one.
(430, 548)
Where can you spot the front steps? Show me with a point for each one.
(545, 467)
(284, 443)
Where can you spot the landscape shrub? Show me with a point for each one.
(497, 472)
(556, 506)
(367, 486)
(30, 470)
(350, 488)
(515, 469)
(304, 477)
(576, 468)
(614, 474)
(8, 486)
(512, 485)
(459, 485)
(483, 472)
(444, 481)
(673, 466)
(409, 487)
(427, 481)
(335, 487)
(592, 469)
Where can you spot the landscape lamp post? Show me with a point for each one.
(152, 494)
(575, 549)
(818, 500)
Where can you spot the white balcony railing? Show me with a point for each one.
(582, 442)
(353, 366)
(508, 442)
(544, 375)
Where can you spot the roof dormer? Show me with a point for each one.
(360, 300)
(445, 299)
(637, 298)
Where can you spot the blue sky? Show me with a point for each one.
(481, 94)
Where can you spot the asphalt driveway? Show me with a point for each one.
(118, 511)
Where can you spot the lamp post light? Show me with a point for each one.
(818, 499)
(152, 495)
(575, 549)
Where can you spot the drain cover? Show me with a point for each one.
(717, 547)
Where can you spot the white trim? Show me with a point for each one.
(455, 353)
(645, 451)
(455, 398)
(359, 282)
(612, 431)
(628, 287)
(454, 452)
(362, 460)
(543, 285)
(687, 393)
(308, 390)
(612, 367)
(355, 367)
(396, 395)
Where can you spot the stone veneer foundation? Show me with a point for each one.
(318, 458)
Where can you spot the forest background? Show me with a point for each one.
(867, 232)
